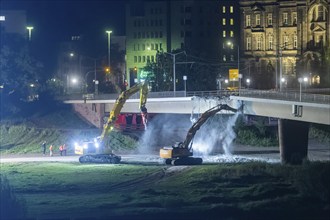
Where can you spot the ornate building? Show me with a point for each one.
(283, 40)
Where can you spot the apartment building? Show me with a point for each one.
(285, 40)
(203, 29)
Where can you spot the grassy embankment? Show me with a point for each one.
(127, 191)
(56, 128)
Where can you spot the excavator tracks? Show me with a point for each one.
(184, 161)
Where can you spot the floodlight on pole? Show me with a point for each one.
(29, 28)
(109, 33)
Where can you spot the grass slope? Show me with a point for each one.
(223, 191)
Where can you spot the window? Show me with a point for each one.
(320, 14)
(143, 47)
(160, 46)
(270, 19)
(248, 43)
(148, 58)
(160, 34)
(257, 19)
(231, 21)
(295, 41)
(231, 33)
(156, 46)
(2, 18)
(248, 20)
(134, 48)
(285, 41)
(294, 18)
(139, 59)
(259, 43)
(224, 21)
(152, 46)
(231, 9)
(270, 42)
(135, 59)
(285, 18)
(224, 33)
(223, 9)
(144, 59)
(152, 58)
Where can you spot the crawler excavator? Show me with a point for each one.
(104, 154)
(181, 153)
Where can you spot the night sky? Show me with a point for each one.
(55, 21)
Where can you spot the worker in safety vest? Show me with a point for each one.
(61, 149)
(51, 150)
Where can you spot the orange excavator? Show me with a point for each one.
(104, 153)
(181, 153)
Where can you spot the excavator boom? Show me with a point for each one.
(106, 156)
(182, 152)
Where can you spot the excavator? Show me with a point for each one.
(104, 154)
(181, 153)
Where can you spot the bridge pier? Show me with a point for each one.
(293, 140)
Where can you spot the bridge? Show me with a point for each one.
(294, 110)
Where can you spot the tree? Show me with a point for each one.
(20, 74)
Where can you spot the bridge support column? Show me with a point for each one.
(293, 138)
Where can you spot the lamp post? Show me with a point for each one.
(109, 33)
(185, 85)
(248, 81)
(29, 28)
(174, 77)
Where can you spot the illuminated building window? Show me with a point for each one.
(231, 21)
(231, 9)
(248, 43)
(2, 18)
(259, 43)
(270, 42)
(224, 21)
(295, 41)
(285, 41)
(294, 18)
(320, 14)
(223, 9)
(231, 33)
(248, 20)
(258, 19)
(224, 33)
(270, 19)
(285, 18)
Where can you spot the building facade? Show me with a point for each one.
(202, 29)
(283, 40)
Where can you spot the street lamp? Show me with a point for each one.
(109, 32)
(185, 85)
(248, 81)
(29, 28)
(174, 77)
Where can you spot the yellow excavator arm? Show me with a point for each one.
(119, 104)
(181, 153)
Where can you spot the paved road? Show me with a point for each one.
(316, 152)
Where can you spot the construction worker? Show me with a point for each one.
(51, 150)
(64, 149)
(61, 149)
